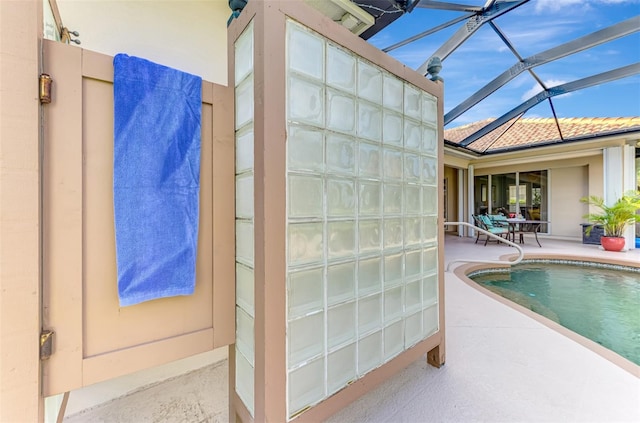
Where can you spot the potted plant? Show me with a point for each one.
(614, 219)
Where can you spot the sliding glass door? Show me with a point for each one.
(518, 194)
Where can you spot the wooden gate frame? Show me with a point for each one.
(65, 253)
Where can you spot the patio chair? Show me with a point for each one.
(483, 221)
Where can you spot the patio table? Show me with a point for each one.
(525, 226)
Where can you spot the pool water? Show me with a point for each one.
(600, 304)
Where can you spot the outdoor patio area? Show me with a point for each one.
(503, 366)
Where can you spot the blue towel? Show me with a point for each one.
(156, 178)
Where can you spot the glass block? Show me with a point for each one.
(392, 199)
(369, 353)
(392, 128)
(412, 169)
(244, 380)
(430, 260)
(341, 197)
(341, 282)
(369, 276)
(341, 112)
(305, 243)
(393, 166)
(369, 313)
(369, 235)
(245, 296)
(244, 54)
(412, 199)
(412, 102)
(412, 231)
(430, 290)
(412, 263)
(306, 102)
(244, 242)
(412, 296)
(305, 194)
(430, 321)
(244, 334)
(392, 304)
(306, 338)
(244, 103)
(244, 150)
(370, 197)
(341, 324)
(369, 82)
(429, 108)
(341, 368)
(369, 160)
(412, 135)
(341, 236)
(244, 196)
(429, 141)
(429, 170)
(413, 329)
(392, 233)
(306, 385)
(305, 51)
(429, 228)
(392, 93)
(369, 121)
(305, 292)
(393, 340)
(341, 154)
(392, 269)
(305, 149)
(430, 201)
(341, 69)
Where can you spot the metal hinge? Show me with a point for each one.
(46, 344)
(45, 88)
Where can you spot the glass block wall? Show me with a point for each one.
(361, 217)
(244, 119)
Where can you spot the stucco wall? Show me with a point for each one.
(567, 186)
(187, 35)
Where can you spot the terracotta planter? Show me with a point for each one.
(612, 243)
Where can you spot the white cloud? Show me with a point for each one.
(537, 88)
(546, 6)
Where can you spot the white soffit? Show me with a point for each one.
(344, 12)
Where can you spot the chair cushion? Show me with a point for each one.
(499, 218)
(485, 219)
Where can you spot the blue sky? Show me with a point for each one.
(532, 28)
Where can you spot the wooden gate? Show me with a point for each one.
(94, 338)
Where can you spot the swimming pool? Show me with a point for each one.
(599, 302)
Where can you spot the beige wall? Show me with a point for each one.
(21, 28)
(451, 176)
(567, 186)
(187, 35)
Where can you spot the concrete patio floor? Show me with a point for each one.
(503, 366)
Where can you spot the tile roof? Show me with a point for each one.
(533, 132)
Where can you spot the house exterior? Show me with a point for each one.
(549, 171)
(192, 36)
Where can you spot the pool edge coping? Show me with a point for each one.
(461, 271)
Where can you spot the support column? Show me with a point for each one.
(619, 177)
(470, 193)
(461, 209)
(20, 34)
